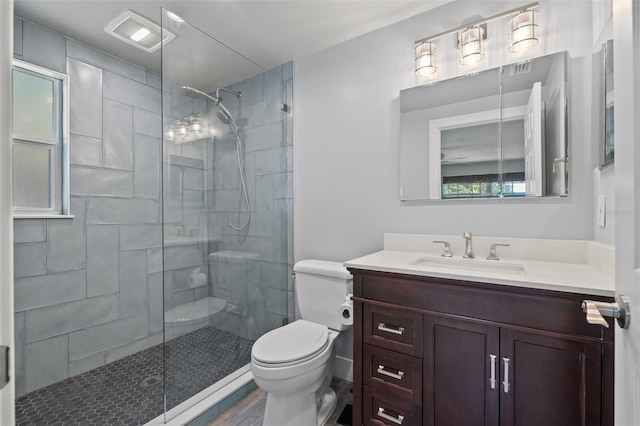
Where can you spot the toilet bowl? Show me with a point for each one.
(294, 363)
(293, 384)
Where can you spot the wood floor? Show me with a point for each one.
(249, 411)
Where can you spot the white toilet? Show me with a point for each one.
(294, 363)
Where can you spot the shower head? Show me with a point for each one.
(194, 93)
(224, 115)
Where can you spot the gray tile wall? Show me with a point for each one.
(92, 289)
(86, 288)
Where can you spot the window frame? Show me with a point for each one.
(58, 146)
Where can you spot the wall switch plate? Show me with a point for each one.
(602, 211)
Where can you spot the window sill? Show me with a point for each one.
(43, 216)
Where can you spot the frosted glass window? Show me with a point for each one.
(40, 129)
(33, 106)
(31, 176)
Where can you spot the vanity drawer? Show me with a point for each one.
(382, 408)
(395, 329)
(393, 372)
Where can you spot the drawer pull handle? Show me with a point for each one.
(492, 380)
(397, 376)
(383, 327)
(397, 420)
(505, 384)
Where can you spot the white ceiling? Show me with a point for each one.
(267, 32)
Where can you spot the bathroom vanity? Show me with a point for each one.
(433, 347)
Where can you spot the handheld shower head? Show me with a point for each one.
(224, 115)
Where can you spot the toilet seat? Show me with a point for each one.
(292, 344)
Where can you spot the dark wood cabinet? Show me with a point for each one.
(441, 352)
(457, 361)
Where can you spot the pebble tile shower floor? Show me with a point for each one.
(118, 394)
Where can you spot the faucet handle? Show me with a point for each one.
(493, 255)
(447, 248)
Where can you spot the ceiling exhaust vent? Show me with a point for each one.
(138, 31)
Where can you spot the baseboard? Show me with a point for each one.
(343, 368)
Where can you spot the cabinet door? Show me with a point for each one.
(458, 358)
(551, 380)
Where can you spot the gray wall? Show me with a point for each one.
(84, 287)
(347, 137)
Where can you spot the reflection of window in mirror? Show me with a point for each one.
(471, 165)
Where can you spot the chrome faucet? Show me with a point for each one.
(468, 249)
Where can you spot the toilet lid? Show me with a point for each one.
(294, 341)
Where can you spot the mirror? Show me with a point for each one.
(608, 148)
(499, 133)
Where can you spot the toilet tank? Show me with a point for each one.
(320, 288)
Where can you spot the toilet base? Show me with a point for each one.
(299, 410)
(326, 405)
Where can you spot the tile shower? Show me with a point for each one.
(93, 290)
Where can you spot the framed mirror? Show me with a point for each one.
(499, 133)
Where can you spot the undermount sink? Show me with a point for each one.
(470, 265)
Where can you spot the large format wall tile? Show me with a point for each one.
(103, 259)
(108, 210)
(43, 47)
(130, 92)
(147, 123)
(29, 230)
(146, 166)
(64, 318)
(19, 352)
(136, 237)
(118, 135)
(105, 61)
(51, 289)
(105, 182)
(133, 283)
(85, 150)
(47, 362)
(85, 105)
(29, 259)
(92, 340)
(66, 240)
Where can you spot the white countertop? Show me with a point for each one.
(539, 274)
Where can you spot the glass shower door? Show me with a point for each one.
(227, 210)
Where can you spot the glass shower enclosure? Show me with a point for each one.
(227, 211)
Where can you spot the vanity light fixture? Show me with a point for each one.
(195, 125)
(426, 58)
(470, 42)
(523, 35)
(170, 133)
(187, 129)
(182, 129)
